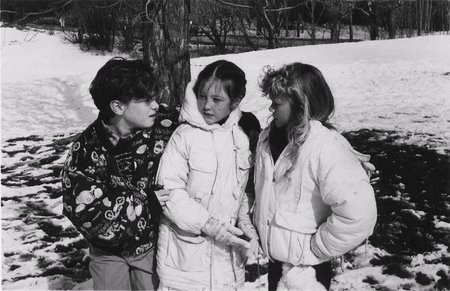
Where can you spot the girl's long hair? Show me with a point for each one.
(309, 95)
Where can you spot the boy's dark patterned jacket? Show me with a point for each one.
(107, 190)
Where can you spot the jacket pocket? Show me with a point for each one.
(289, 236)
(202, 172)
(186, 251)
(244, 163)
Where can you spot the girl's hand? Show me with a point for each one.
(163, 196)
(224, 233)
(254, 251)
(249, 231)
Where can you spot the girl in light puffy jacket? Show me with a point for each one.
(206, 233)
(314, 201)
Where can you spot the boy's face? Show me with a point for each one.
(140, 113)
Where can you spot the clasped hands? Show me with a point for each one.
(225, 232)
(230, 235)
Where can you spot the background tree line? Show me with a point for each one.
(248, 24)
(161, 31)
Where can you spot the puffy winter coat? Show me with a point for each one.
(322, 209)
(205, 167)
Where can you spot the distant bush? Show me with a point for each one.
(48, 20)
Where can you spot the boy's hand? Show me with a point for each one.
(163, 196)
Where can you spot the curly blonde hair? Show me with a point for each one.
(310, 97)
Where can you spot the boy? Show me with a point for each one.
(108, 175)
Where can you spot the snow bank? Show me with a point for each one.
(399, 85)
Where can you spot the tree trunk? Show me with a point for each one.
(402, 23)
(268, 27)
(429, 15)
(166, 47)
(391, 25)
(286, 23)
(335, 29)
(373, 22)
(270, 40)
(350, 25)
(244, 31)
(259, 26)
(336, 21)
(313, 22)
(419, 18)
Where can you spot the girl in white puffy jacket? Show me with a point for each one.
(205, 166)
(314, 201)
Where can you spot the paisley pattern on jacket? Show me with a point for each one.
(108, 190)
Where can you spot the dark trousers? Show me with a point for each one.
(323, 274)
(115, 272)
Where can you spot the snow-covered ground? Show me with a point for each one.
(401, 85)
(397, 85)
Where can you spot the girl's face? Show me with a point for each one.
(281, 111)
(212, 102)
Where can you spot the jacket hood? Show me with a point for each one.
(189, 113)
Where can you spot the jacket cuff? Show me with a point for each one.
(316, 250)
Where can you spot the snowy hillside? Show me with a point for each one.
(397, 85)
(392, 100)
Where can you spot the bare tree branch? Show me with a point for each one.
(147, 9)
(132, 7)
(8, 11)
(234, 4)
(108, 6)
(285, 8)
(265, 7)
(362, 10)
(46, 11)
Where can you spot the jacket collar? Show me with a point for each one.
(110, 141)
(316, 128)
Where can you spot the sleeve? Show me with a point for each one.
(85, 202)
(243, 217)
(181, 209)
(344, 186)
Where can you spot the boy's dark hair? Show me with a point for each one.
(232, 77)
(122, 80)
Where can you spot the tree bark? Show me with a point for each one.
(244, 31)
(268, 27)
(166, 46)
(286, 19)
(313, 22)
(350, 24)
(419, 18)
(391, 22)
(336, 22)
(373, 21)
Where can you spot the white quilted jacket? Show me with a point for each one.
(206, 169)
(323, 209)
